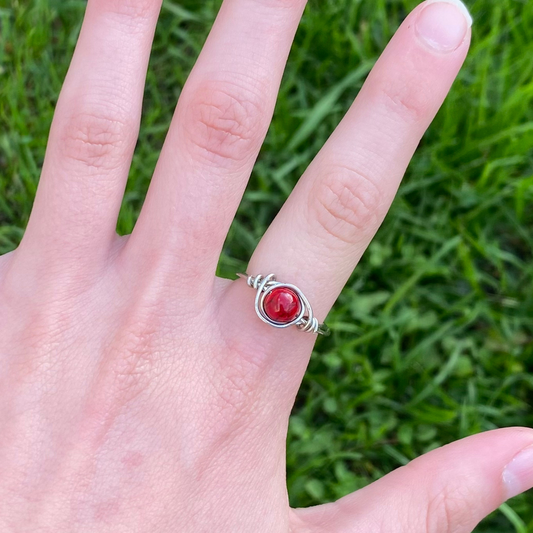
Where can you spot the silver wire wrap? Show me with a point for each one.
(305, 321)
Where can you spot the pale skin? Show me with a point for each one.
(141, 393)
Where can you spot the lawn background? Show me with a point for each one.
(433, 334)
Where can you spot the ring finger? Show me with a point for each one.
(93, 135)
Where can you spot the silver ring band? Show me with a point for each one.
(283, 305)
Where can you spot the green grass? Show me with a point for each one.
(433, 334)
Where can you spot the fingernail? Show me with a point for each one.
(443, 24)
(518, 474)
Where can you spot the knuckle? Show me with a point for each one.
(223, 123)
(234, 394)
(233, 404)
(411, 101)
(95, 141)
(132, 362)
(448, 510)
(346, 203)
(235, 384)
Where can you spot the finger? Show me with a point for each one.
(449, 489)
(94, 130)
(341, 200)
(220, 123)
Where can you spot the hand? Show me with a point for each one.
(140, 393)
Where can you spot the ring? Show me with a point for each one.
(282, 305)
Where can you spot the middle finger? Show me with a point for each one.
(220, 123)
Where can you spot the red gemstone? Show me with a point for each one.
(282, 305)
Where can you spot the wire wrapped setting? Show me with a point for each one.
(304, 321)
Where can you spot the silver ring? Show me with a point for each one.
(283, 305)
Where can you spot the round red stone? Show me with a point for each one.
(282, 305)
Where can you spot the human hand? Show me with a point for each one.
(140, 393)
